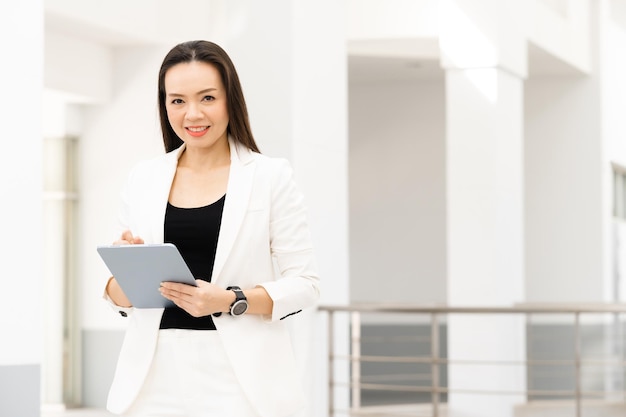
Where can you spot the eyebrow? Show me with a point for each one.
(206, 90)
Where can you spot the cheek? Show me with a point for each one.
(224, 115)
(173, 118)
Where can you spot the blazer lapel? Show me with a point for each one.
(238, 192)
(162, 193)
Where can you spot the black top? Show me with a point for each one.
(194, 231)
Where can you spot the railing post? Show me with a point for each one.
(578, 363)
(617, 351)
(621, 354)
(529, 349)
(355, 363)
(434, 364)
(331, 371)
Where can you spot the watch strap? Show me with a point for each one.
(239, 297)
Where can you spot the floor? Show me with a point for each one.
(402, 411)
(76, 412)
(536, 409)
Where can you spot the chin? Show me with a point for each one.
(201, 143)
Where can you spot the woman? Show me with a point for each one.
(239, 222)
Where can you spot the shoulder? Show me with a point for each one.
(156, 163)
(277, 175)
(151, 168)
(264, 165)
(272, 166)
(275, 172)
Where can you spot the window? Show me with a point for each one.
(60, 365)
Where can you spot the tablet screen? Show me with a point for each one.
(140, 269)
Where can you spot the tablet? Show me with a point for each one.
(140, 269)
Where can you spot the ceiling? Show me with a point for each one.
(368, 60)
(376, 68)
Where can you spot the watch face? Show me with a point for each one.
(239, 308)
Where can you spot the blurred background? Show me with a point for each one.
(451, 152)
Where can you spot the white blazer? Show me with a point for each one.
(263, 240)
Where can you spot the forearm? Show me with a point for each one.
(114, 291)
(259, 301)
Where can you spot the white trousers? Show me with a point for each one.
(191, 376)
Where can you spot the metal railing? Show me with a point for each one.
(435, 313)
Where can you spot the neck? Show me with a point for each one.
(205, 158)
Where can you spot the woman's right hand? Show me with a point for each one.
(112, 288)
(127, 238)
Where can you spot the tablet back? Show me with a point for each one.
(140, 269)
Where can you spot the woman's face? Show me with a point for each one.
(195, 101)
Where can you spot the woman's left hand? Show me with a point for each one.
(200, 301)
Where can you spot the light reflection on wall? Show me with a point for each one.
(468, 48)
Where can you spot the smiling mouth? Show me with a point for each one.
(196, 129)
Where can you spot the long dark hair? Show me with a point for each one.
(211, 53)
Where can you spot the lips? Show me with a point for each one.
(197, 131)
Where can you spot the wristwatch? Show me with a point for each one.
(240, 305)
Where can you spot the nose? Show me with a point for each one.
(193, 112)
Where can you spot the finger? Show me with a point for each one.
(186, 302)
(170, 295)
(165, 294)
(127, 236)
(173, 299)
(173, 296)
(181, 300)
(137, 240)
(177, 288)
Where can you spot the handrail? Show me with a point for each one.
(528, 308)
(436, 311)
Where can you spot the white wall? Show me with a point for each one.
(380, 19)
(614, 91)
(564, 211)
(397, 192)
(77, 67)
(563, 29)
(21, 222)
(574, 129)
(134, 23)
(21, 38)
(613, 87)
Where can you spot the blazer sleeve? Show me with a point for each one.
(123, 224)
(290, 242)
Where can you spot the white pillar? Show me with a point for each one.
(54, 273)
(320, 156)
(21, 43)
(291, 58)
(484, 55)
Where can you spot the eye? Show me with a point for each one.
(177, 101)
(208, 98)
